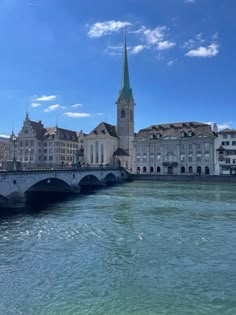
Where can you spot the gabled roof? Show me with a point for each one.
(104, 129)
(38, 128)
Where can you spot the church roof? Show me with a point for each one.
(104, 129)
(38, 128)
(120, 152)
(125, 84)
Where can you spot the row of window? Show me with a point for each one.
(227, 136)
(31, 143)
(183, 170)
(170, 158)
(225, 143)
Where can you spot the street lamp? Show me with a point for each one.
(14, 152)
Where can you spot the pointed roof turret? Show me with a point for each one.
(125, 85)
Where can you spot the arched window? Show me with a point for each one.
(182, 170)
(122, 113)
(158, 169)
(131, 115)
(151, 169)
(190, 169)
(199, 170)
(144, 169)
(138, 170)
(207, 171)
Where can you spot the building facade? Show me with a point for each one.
(225, 152)
(4, 151)
(185, 148)
(37, 146)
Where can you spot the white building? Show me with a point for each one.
(225, 152)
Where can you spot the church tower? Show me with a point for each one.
(125, 115)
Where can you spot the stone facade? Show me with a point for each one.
(177, 148)
(4, 151)
(100, 145)
(37, 146)
(225, 152)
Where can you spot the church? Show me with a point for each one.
(113, 145)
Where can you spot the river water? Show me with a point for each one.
(137, 248)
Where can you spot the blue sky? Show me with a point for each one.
(61, 60)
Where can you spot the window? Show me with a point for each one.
(151, 158)
(182, 147)
(158, 169)
(199, 157)
(158, 157)
(190, 158)
(182, 170)
(122, 113)
(190, 133)
(144, 158)
(190, 169)
(144, 169)
(131, 115)
(206, 146)
(102, 153)
(207, 157)
(190, 146)
(198, 146)
(199, 170)
(138, 158)
(151, 169)
(207, 171)
(227, 160)
(182, 134)
(233, 142)
(91, 153)
(225, 136)
(225, 142)
(182, 157)
(233, 135)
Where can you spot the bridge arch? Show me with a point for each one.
(50, 184)
(110, 178)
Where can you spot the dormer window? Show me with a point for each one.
(158, 135)
(190, 133)
(182, 134)
(152, 136)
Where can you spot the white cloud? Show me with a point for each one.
(54, 107)
(156, 38)
(137, 49)
(224, 125)
(103, 28)
(221, 126)
(5, 136)
(170, 63)
(165, 45)
(36, 104)
(76, 105)
(77, 115)
(192, 43)
(189, 1)
(203, 52)
(196, 49)
(46, 98)
(115, 50)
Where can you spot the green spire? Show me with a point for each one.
(125, 85)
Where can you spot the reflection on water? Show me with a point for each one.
(138, 248)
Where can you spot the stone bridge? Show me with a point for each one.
(15, 185)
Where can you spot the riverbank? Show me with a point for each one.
(184, 178)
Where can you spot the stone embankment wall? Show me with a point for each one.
(185, 178)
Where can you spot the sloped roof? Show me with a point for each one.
(104, 129)
(120, 152)
(176, 129)
(64, 134)
(227, 130)
(38, 128)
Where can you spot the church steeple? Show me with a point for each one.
(125, 84)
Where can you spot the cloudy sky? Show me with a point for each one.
(61, 60)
